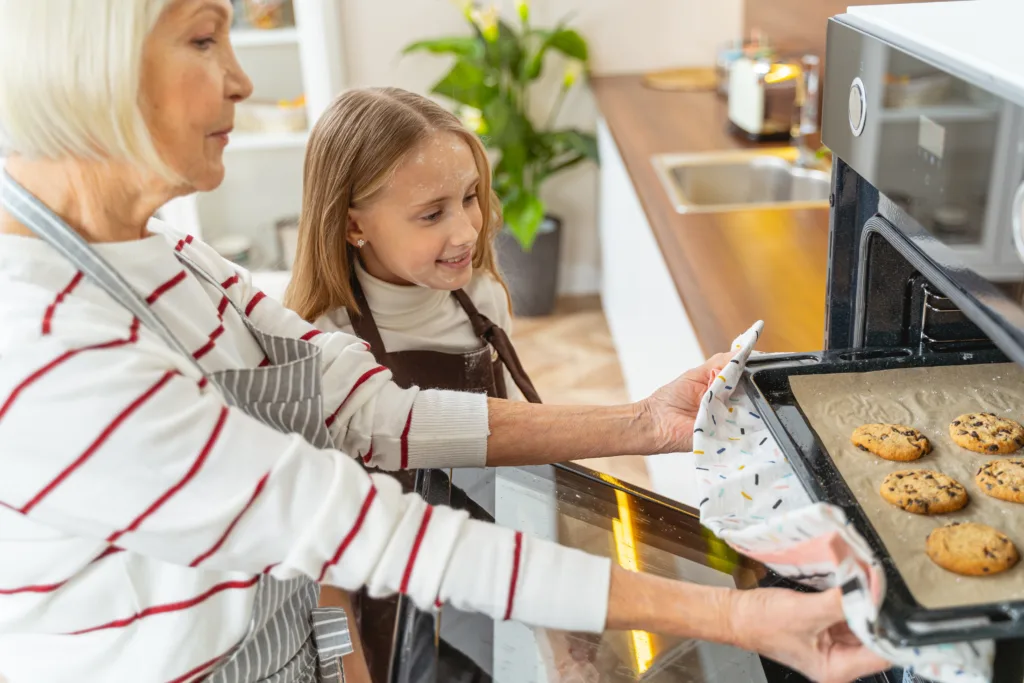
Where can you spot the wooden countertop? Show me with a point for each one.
(734, 268)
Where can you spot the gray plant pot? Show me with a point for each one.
(532, 277)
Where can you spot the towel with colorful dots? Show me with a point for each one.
(751, 499)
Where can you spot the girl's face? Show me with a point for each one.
(422, 227)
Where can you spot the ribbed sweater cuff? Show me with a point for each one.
(448, 429)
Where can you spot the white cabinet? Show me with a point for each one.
(263, 171)
(652, 333)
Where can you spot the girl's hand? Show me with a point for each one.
(804, 631)
(672, 409)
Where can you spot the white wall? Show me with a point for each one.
(625, 36)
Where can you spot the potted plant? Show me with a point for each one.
(492, 80)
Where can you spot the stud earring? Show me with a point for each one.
(360, 243)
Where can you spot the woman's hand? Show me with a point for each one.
(804, 631)
(672, 409)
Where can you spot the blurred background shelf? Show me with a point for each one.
(290, 65)
(253, 37)
(260, 141)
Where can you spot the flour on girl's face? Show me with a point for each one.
(428, 212)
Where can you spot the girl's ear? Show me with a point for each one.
(353, 232)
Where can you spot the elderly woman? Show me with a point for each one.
(175, 470)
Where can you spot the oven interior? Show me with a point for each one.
(895, 309)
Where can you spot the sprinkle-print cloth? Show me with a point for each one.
(751, 499)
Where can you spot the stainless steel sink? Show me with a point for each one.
(755, 179)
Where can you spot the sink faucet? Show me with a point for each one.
(805, 114)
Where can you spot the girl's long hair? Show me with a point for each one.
(353, 151)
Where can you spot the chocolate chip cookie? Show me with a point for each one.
(1002, 479)
(891, 441)
(923, 492)
(971, 549)
(986, 433)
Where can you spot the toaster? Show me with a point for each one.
(765, 97)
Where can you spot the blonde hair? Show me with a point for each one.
(353, 150)
(69, 79)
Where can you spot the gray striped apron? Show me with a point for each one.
(289, 638)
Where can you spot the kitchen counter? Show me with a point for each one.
(730, 269)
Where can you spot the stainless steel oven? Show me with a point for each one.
(925, 121)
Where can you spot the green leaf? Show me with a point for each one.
(466, 83)
(572, 140)
(535, 64)
(554, 169)
(523, 216)
(461, 46)
(506, 124)
(505, 53)
(570, 43)
(566, 41)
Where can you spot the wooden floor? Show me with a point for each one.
(571, 359)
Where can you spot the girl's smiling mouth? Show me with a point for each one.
(457, 262)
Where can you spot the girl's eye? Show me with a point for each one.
(433, 216)
(203, 43)
(470, 198)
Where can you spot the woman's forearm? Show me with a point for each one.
(638, 601)
(534, 434)
(804, 631)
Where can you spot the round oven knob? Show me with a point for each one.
(858, 107)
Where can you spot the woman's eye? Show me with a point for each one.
(203, 43)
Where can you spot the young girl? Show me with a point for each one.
(396, 243)
(396, 246)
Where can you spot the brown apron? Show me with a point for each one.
(478, 371)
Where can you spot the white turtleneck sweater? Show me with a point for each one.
(418, 318)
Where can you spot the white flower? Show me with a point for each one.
(572, 73)
(487, 21)
(523, 8)
(473, 119)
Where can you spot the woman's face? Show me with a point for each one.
(190, 84)
(422, 227)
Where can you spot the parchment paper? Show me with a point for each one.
(928, 399)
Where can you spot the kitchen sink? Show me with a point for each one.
(746, 179)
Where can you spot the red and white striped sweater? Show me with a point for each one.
(137, 510)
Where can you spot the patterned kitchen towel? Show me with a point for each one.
(751, 499)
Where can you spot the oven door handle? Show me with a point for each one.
(762, 358)
(1017, 215)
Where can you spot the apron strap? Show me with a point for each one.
(203, 275)
(333, 639)
(497, 338)
(363, 323)
(50, 228)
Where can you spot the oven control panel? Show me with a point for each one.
(944, 149)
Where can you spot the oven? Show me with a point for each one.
(926, 262)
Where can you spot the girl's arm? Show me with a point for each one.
(391, 428)
(531, 434)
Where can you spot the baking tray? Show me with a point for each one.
(902, 619)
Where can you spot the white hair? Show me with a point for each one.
(69, 79)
